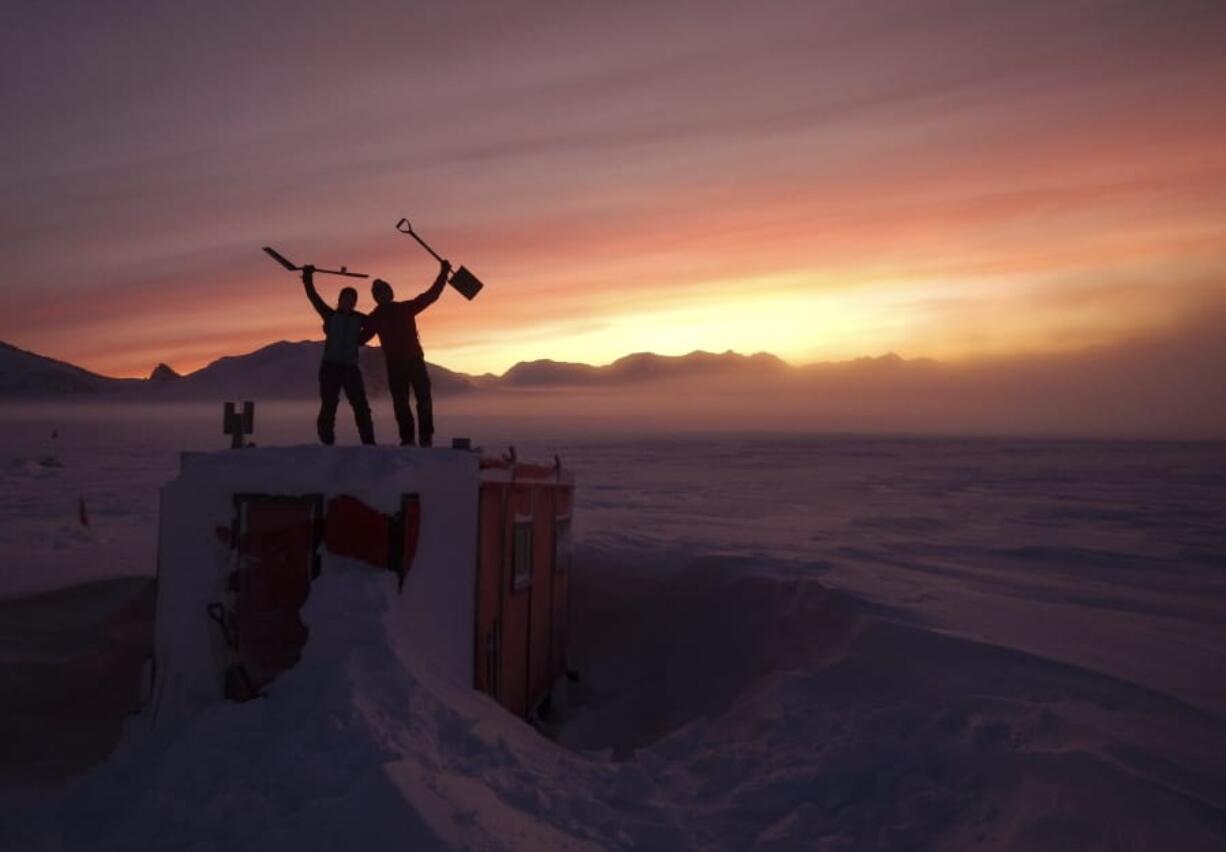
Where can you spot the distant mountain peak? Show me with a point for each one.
(163, 373)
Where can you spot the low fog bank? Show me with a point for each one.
(1164, 387)
(1168, 387)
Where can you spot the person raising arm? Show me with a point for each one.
(321, 307)
(343, 328)
(396, 324)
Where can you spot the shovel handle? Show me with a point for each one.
(404, 227)
(292, 267)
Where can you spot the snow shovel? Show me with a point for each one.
(281, 259)
(463, 280)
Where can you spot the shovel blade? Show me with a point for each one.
(281, 259)
(467, 283)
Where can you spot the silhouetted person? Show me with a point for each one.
(343, 328)
(406, 363)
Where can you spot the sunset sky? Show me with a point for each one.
(822, 180)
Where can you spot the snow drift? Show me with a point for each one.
(839, 724)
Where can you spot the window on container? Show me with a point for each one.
(522, 558)
(561, 544)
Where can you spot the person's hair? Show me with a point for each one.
(380, 286)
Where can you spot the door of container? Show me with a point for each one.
(277, 540)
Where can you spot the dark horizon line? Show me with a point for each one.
(889, 356)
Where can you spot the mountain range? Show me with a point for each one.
(24, 373)
(287, 370)
(1158, 386)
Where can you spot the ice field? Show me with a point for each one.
(784, 641)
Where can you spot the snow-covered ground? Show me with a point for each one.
(788, 642)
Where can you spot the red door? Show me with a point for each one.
(277, 538)
(522, 595)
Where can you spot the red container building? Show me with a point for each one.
(478, 549)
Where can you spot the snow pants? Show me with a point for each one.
(403, 376)
(333, 377)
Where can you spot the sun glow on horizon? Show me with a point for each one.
(798, 316)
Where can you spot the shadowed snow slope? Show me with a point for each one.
(819, 719)
(70, 672)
